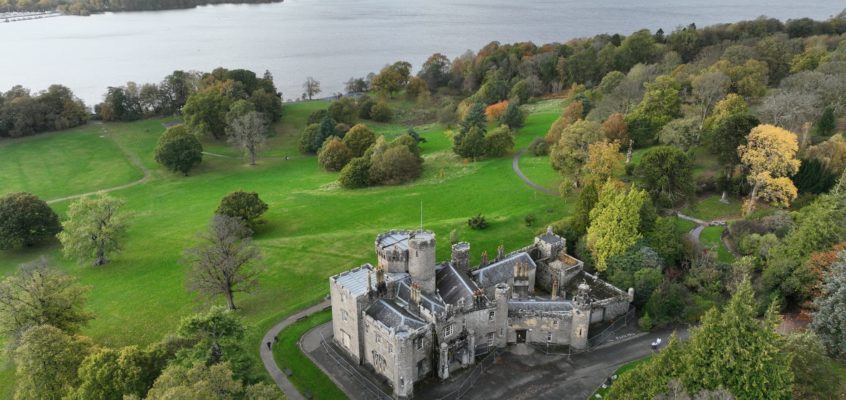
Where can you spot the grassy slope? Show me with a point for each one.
(58, 164)
(711, 238)
(306, 376)
(314, 229)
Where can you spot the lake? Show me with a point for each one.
(331, 40)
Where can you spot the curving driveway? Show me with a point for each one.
(267, 354)
(515, 165)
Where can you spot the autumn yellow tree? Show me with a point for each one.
(604, 160)
(769, 158)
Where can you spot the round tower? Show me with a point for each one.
(421, 260)
(581, 318)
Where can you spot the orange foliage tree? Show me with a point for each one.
(494, 111)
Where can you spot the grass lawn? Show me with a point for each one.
(57, 164)
(711, 238)
(313, 228)
(306, 375)
(539, 170)
(710, 208)
(683, 226)
(627, 367)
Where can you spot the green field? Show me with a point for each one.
(314, 228)
(710, 208)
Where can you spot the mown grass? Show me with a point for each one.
(49, 166)
(710, 208)
(683, 226)
(602, 392)
(710, 238)
(313, 228)
(305, 375)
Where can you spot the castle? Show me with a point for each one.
(411, 317)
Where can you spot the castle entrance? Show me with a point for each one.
(521, 336)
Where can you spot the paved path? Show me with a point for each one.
(133, 159)
(515, 165)
(267, 355)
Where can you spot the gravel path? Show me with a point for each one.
(515, 165)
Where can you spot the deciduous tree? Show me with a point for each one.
(248, 133)
(311, 87)
(46, 363)
(244, 205)
(223, 262)
(666, 173)
(178, 150)
(830, 321)
(603, 162)
(94, 228)
(570, 153)
(770, 157)
(334, 155)
(26, 220)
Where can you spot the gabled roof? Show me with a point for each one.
(453, 285)
(355, 280)
(393, 315)
(502, 270)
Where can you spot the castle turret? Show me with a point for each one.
(421, 260)
(461, 257)
(581, 318)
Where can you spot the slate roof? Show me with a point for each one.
(540, 305)
(397, 239)
(502, 270)
(550, 238)
(355, 280)
(429, 301)
(453, 286)
(393, 315)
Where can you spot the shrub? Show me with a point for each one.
(308, 138)
(645, 323)
(26, 220)
(178, 150)
(513, 117)
(407, 141)
(529, 220)
(539, 147)
(365, 107)
(447, 115)
(245, 205)
(381, 112)
(343, 110)
(394, 166)
(499, 142)
(317, 116)
(356, 174)
(359, 138)
(471, 144)
(334, 155)
(478, 222)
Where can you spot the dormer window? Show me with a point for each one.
(448, 330)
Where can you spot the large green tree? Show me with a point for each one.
(178, 150)
(666, 173)
(614, 223)
(830, 320)
(46, 363)
(204, 382)
(39, 295)
(245, 205)
(94, 228)
(205, 113)
(26, 220)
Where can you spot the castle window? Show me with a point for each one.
(491, 315)
(378, 339)
(448, 330)
(390, 348)
(490, 338)
(549, 336)
(419, 343)
(345, 315)
(555, 323)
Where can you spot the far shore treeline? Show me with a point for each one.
(496, 72)
(87, 7)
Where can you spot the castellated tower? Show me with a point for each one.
(581, 318)
(421, 260)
